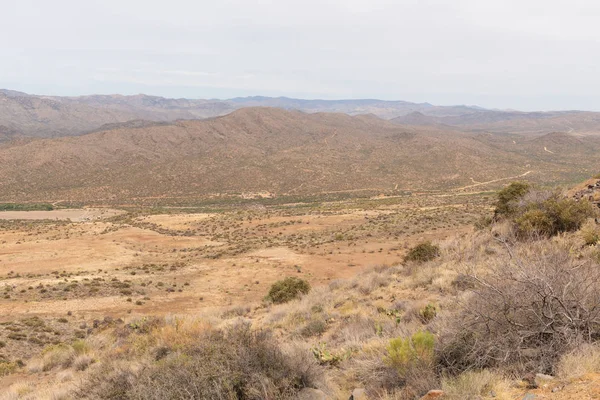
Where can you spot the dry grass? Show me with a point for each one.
(475, 385)
(581, 361)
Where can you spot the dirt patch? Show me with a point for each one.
(74, 215)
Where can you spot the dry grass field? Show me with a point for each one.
(62, 276)
(142, 303)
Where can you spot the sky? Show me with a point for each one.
(525, 54)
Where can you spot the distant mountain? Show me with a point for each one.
(22, 114)
(51, 116)
(381, 108)
(532, 123)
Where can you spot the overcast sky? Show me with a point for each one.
(523, 54)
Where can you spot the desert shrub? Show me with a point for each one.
(551, 215)
(7, 368)
(59, 355)
(590, 234)
(484, 222)
(288, 289)
(524, 315)
(314, 327)
(428, 313)
(405, 353)
(509, 197)
(82, 362)
(404, 369)
(423, 252)
(237, 363)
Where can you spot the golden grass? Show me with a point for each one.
(582, 361)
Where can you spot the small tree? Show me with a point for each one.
(508, 198)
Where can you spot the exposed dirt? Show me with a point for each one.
(75, 215)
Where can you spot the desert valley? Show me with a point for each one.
(266, 248)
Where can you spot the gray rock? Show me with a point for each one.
(529, 396)
(358, 394)
(542, 380)
(311, 394)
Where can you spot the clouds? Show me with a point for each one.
(528, 54)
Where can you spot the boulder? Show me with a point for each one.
(358, 394)
(311, 394)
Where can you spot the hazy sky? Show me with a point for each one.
(525, 54)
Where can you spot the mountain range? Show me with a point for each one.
(283, 152)
(28, 115)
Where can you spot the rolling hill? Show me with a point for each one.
(262, 149)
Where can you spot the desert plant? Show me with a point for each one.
(475, 385)
(237, 363)
(404, 353)
(287, 289)
(314, 327)
(524, 315)
(551, 214)
(423, 252)
(428, 313)
(590, 234)
(509, 196)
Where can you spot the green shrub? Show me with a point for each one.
(288, 289)
(509, 196)
(552, 215)
(406, 353)
(428, 313)
(423, 252)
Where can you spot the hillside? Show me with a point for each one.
(262, 150)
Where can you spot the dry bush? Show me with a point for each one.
(590, 233)
(367, 283)
(61, 356)
(237, 363)
(526, 312)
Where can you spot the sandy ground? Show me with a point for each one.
(33, 255)
(75, 215)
